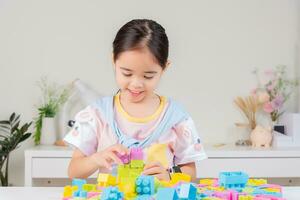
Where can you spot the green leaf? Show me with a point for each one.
(15, 127)
(4, 122)
(12, 116)
(24, 137)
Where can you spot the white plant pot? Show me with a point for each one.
(48, 133)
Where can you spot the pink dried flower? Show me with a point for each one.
(268, 107)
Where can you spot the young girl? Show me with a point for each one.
(136, 116)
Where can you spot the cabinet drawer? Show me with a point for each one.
(255, 167)
(50, 167)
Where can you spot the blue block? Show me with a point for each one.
(80, 193)
(166, 194)
(78, 182)
(112, 193)
(233, 179)
(187, 191)
(144, 185)
(144, 197)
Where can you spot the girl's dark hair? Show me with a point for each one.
(141, 33)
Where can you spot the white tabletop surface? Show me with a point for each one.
(55, 193)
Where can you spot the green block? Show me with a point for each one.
(89, 187)
(137, 164)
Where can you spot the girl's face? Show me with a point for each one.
(137, 74)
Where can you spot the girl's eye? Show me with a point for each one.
(148, 77)
(126, 74)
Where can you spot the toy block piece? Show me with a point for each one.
(272, 190)
(78, 182)
(127, 185)
(208, 181)
(93, 198)
(187, 191)
(144, 197)
(105, 180)
(166, 194)
(165, 183)
(256, 182)
(136, 153)
(93, 194)
(218, 189)
(145, 185)
(224, 194)
(267, 197)
(248, 190)
(124, 158)
(111, 193)
(200, 196)
(246, 197)
(123, 170)
(137, 164)
(78, 198)
(233, 179)
(89, 187)
(80, 194)
(68, 191)
(135, 172)
(180, 177)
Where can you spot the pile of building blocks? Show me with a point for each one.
(129, 184)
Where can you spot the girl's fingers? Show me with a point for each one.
(153, 170)
(120, 149)
(162, 177)
(152, 164)
(114, 158)
(106, 164)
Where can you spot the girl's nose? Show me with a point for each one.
(137, 83)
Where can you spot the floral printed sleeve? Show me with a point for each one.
(188, 147)
(85, 133)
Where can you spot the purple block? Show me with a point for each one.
(136, 153)
(124, 158)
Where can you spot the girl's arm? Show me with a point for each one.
(190, 169)
(81, 166)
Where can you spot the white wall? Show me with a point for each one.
(214, 46)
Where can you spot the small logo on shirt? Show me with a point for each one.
(74, 132)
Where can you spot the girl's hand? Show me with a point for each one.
(108, 156)
(156, 169)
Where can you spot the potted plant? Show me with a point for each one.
(277, 88)
(53, 96)
(12, 133)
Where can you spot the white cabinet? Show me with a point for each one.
(52, 162)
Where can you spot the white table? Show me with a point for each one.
(52, 162)
(55, 193)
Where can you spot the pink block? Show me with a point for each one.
(227, 195)
(267, 197)
(136, 153)
(92, 194)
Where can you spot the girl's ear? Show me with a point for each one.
(167, 65)
(113, 61)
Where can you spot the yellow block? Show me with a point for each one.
(207, 181)
(177, 177)
(105, 180)
(158, 153)
(256, 182)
